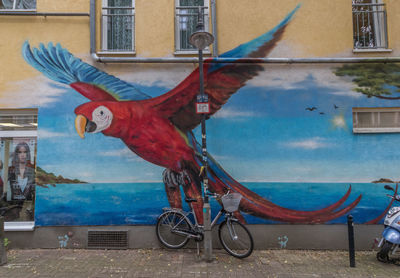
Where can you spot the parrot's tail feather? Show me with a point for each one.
(252, 203)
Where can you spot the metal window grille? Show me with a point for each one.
(118, 25)
(376, 120)
(186, 16)
(18, 4)
(369, 24)
(108, 239)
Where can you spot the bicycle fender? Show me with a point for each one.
(391, 235)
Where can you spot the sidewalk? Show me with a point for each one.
(184, 263)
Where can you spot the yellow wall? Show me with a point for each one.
(71, 32)
(321, 28)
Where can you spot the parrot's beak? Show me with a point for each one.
(80, 125)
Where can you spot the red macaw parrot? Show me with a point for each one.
(159, 129)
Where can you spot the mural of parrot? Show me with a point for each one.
(159, 129)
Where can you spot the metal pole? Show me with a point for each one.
(350, 228)
(206, 205)
(3, 253)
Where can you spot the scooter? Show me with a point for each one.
(391, 234)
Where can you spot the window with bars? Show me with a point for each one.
(186, 16)
(118, 26)
(17, 4)
(376, 120)
(369, 24)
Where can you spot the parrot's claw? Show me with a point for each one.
(173, 179)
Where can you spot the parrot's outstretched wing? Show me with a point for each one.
(60, 65)
(221, 80)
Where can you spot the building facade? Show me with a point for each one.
(99, 128)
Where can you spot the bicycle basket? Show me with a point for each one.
(231, 201)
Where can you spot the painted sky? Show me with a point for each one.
(263, 133)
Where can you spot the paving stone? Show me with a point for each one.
(59, 263)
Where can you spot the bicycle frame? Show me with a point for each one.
(194, 227)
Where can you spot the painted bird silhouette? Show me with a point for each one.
(311, 108)
(159, 129)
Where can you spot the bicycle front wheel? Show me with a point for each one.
(235, 238)
(171, 228)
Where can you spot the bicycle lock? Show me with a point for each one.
(201, 39)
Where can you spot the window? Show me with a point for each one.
(18, 4)
(18, 137)
(369, 24)
(376, 120)
(186, 15)
(118, 25)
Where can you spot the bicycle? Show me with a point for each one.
(174, 228)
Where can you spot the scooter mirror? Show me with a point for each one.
(388, 187)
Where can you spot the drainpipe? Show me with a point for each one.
(214, 27)
(92, 24)
(215, 52)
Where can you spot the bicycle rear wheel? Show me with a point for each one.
(235, 238)
(170, 229)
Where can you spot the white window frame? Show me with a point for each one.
(14, 8)
(206, 12)
(380, 29)
(376, 119)
(104, 33)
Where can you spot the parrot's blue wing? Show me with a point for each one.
(256, 47)
(60, 65)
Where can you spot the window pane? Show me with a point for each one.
(119, 24)
(364, 119)
(187, 22)
(369, 24)
(17, 163)
(9, 120)
(388, 119)
(18, 4)
(18, 157)
(191, 3)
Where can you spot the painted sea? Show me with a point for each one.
(141, 203)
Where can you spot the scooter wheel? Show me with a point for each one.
(383, 254)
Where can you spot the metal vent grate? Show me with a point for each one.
(108, 239)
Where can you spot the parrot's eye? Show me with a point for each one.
(102, 117)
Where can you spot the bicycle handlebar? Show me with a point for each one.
(216, 195)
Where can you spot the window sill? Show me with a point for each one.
(111, 53)
(372, 50)
(24, 226)
(376, 130)
(191, 52)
